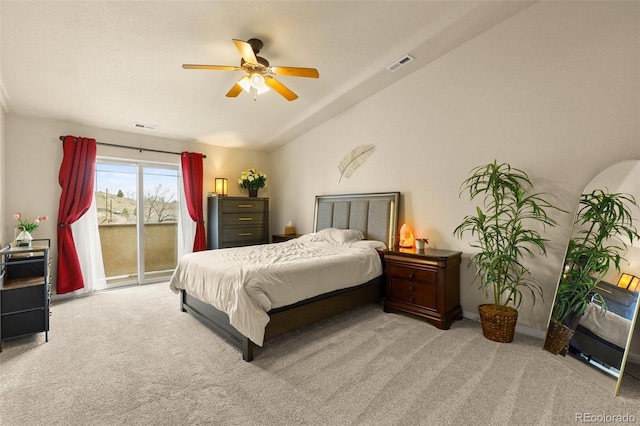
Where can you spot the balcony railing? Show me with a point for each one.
(120, 252)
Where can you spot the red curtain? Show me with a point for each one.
(77, 173)
(192, 175)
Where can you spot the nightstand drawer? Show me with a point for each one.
(411, 274)
(20, 299)
(243, 206)
(242, 219)
(424, 295)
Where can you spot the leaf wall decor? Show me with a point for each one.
(354, 159)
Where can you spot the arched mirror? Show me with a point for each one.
(596, 303)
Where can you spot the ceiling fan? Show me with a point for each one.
(260, 75)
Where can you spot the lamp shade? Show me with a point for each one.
(628, 281)
(222, 187)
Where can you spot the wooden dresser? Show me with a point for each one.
(237, 221)
(425, 283)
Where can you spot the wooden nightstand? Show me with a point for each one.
(281, 238)
(424, 283)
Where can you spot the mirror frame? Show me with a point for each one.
(634, 319)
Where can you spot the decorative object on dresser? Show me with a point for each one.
(425, 283)
(237, 221)
(222, 187)
(507, 230)
(24, 290)
(421, 243)
(289, 229)
(281, 238)
(25, 227)
(630, 282)
(406, 237)
(252, 180)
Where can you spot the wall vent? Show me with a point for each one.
(145, 126)
(400, 63)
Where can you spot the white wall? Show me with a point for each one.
(33, 154)
(553, 91)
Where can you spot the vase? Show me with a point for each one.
(24, 239)
(253, 192)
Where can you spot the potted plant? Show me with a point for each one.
(595, 246)
(252, 180)
(505, 230)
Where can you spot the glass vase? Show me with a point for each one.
(24, 239)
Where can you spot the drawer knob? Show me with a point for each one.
(411, 287)
(412, 275)
(412, 299)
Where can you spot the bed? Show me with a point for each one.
(601, 335)
(251, 294)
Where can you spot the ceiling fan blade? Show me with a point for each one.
(236, 89)
(280, 88)
(296, 72)
(210, 67)
(246, 51)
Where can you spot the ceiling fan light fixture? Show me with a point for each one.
(250, 84)
(257, 82)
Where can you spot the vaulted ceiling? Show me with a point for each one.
(112, 64)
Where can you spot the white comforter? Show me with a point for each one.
(247, 282)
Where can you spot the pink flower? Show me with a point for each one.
(36, 220)
(44, 217)
(17, 216)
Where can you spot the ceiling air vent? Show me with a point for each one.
(145, 126)
(400, 63)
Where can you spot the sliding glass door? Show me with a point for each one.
(137, 206)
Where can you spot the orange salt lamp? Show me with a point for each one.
(406, 236)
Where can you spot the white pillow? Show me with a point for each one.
(377, 245)
(338, 236)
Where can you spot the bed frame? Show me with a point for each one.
(375, 214)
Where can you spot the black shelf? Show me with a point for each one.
(24, 290)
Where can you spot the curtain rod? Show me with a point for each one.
(137, 148)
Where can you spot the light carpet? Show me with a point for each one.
(130, 357)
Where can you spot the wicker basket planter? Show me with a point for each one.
(498, 324)
(558, 337)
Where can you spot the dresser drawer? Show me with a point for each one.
(24, 270)
(425, 295)
(411, 274)
(242, 219)
(243, 206)
(243, 234)
(24, 323)
(24, 298)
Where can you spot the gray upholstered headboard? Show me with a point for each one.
(375, 214)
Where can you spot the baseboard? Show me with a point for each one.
(533, 332)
